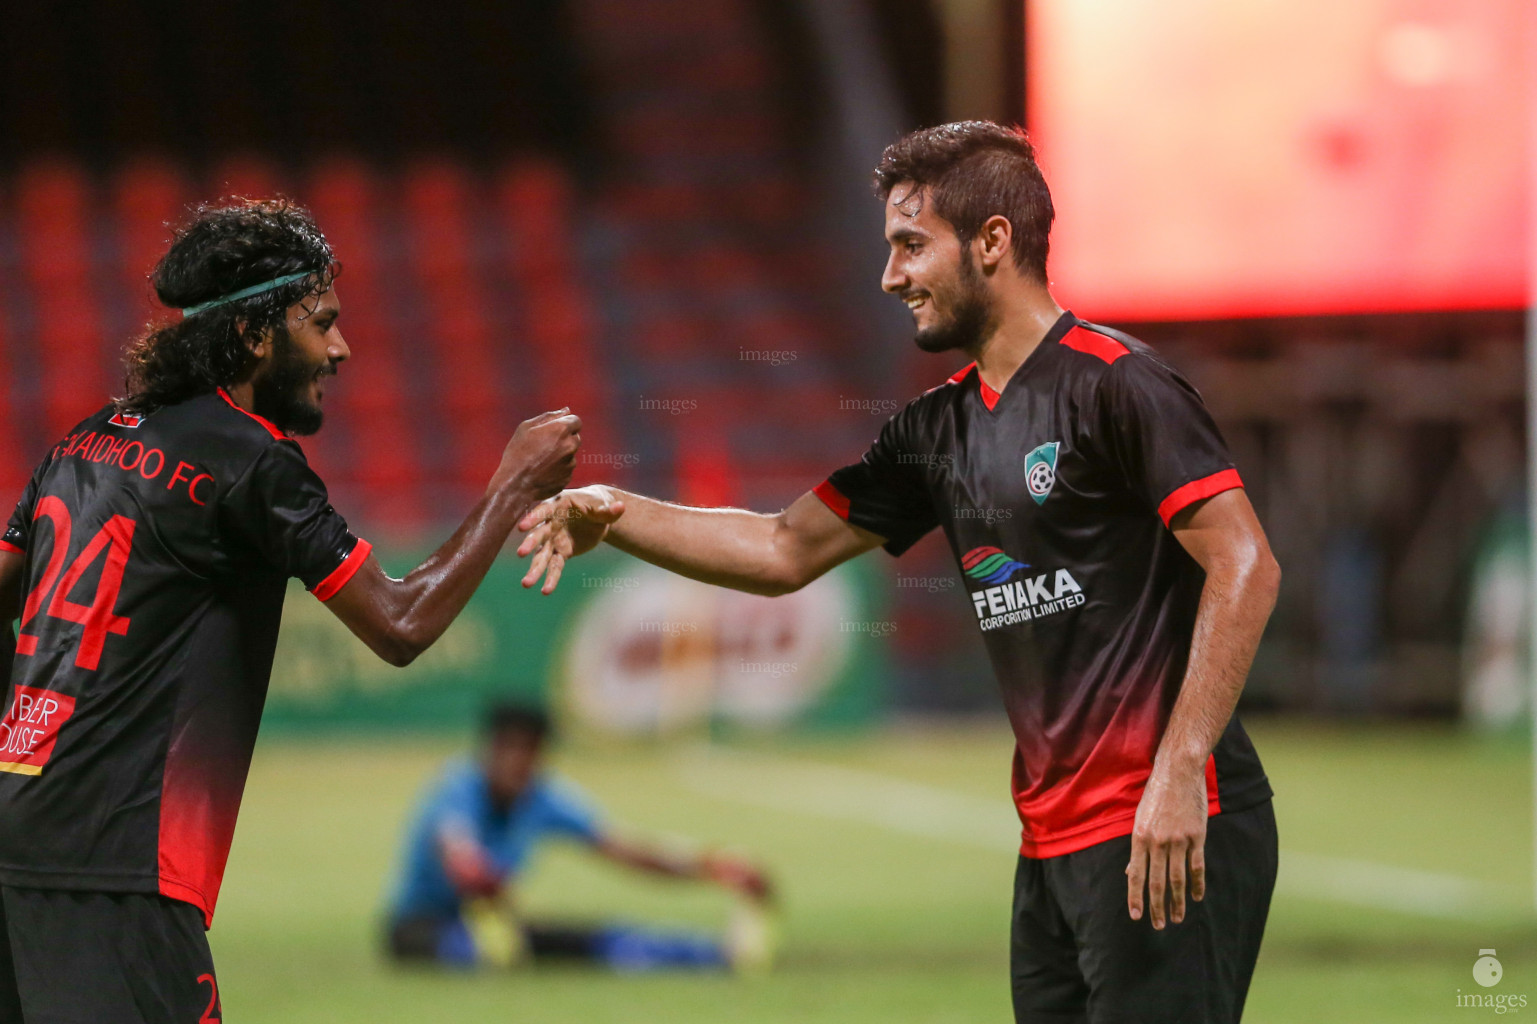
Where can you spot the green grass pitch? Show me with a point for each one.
(1405, 850)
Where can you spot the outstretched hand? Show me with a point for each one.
(569, 524)
(739, 875)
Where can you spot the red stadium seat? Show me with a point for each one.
(16, 456)
(535, 205)
(440, 204)
(371, 398)
(53, 228)
(149, 198)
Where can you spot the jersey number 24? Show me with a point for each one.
(116, 538)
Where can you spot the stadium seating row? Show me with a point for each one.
(461, 298)
(681, 301)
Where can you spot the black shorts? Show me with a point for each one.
(128, 958)
(1077, 956)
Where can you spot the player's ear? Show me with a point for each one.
(994, 241)
(257, 343)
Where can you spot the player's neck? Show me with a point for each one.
(1024, 317)
(242, 394)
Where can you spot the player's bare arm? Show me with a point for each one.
(1223, 535)
(755, 552)
(400, 618)
(723, 869)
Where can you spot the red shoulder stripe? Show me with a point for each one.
(960, 375)
(327, 588)
(1094, 344)
(1196, 490)
(832, 498)
(271, 427)
(12, 548)
(989, 396)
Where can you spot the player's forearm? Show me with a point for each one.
(726, 547)
(1236, 602)
(433, 594)
(668, 863)
(399, 619)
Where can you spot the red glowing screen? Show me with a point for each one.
(1211, 159)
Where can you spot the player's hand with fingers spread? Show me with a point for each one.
(567, 525)
(541, 456)
(1168, 844)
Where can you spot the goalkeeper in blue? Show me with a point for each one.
(477, 830)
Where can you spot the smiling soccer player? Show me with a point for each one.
(1121, 600)
(147, 562)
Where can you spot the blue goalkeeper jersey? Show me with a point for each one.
(460, 802)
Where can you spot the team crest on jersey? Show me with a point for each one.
(1041, 470)
(126, 419)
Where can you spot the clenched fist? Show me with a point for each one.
(541, 456)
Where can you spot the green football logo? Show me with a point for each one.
(1041, 470)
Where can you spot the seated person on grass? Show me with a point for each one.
(475, 832)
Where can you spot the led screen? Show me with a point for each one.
(1216, 158)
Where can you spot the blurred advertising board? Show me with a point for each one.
(620, 649)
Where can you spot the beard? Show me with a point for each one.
(969, 321)
(282, 394)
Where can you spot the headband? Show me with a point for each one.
(246, 293)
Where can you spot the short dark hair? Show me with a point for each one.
(225, 246)
(503, 717)
(975, 170)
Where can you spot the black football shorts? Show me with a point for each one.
(1077, 957)
(128, 958)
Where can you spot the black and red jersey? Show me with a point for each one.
(1056, 497)
(158, 550)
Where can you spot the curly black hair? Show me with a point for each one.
(225, 246)
(974, 170)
